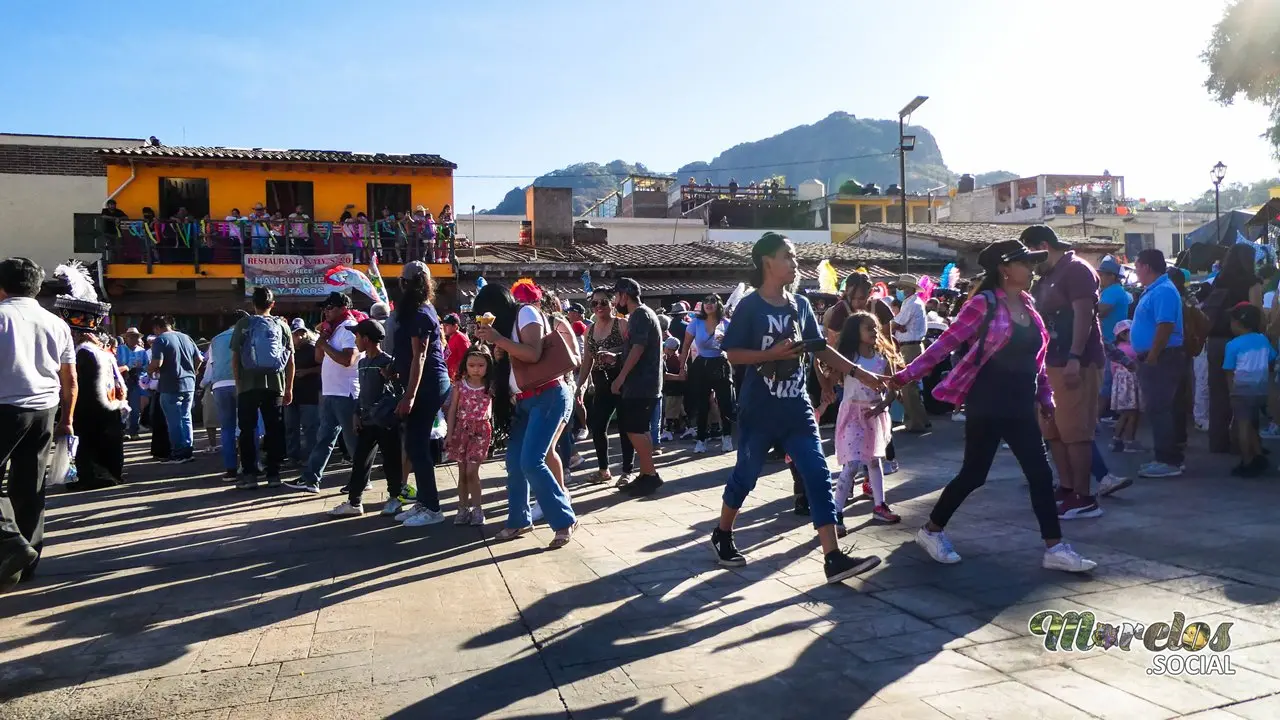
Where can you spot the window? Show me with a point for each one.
(392, 197)
(893, 214)
(844, 214)
(189, 193)
(285, 195)
(872, 213)
(1177, 243)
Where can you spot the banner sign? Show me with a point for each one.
(291, 275)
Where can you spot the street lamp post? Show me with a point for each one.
(1217, 174)
(905, 144)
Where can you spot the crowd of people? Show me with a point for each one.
(1041, 355)
(395, 235)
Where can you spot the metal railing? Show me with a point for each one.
(226, 242)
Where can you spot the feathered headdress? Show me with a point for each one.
(79, 306)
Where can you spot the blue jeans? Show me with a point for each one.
(1099, 465)
(177, 416)
(135, 407)
(764, 425)
(655, 425)
(533, 424)
(417, 438)
(300, 425)
(336, 415)
(225, 400)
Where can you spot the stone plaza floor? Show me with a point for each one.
(180, 597)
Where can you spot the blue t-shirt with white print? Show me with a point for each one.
(1249, 357)
(759, 325)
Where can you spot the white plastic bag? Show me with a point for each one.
(62, 465)
(439, 428)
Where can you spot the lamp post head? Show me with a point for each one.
(911, 106)
(908, 143)
(1219, 172)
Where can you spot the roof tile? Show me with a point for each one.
(976, 233)
(259, 154)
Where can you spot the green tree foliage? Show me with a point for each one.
(1244, 58)
(1234, 195)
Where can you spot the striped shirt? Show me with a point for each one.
(955, 386)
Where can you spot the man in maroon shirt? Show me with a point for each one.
(456, 343)
(1067, 298)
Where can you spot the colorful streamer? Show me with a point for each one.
(350, 278)
(375, 279)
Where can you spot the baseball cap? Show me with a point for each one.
(298, 324)
(415, 269)
(451, 319)
(1109, 265)
(578, 308)
(336, 300)
(371, 329)
(1038, 237)
(628, 286)
(380, 311)
(671, 344)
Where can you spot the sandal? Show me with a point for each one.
(602, 476)
(507, 533)
(623, 480)
(562, 537)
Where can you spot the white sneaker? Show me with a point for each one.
(700, 447)
(424, 517)
(1270, 432)
(957, 417)
(477, 516)
(889, 467)
(346, 509)
(575, 461)
(581, 434)
(726, 443)
(535, 511)
(1111, 483)
(938, 545)
(392, 507)
(688, 434)
(406, 514)
(1062, 557)
(666, 436)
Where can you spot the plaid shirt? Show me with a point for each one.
(955, 386)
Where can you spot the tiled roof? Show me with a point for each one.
(979, 234)
(843, 254)
(258, 154)
(677, 255)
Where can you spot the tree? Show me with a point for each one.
(1244, 58)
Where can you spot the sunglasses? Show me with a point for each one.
(600, 303)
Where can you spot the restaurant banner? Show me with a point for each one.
(291, 275)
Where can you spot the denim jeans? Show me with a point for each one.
(224, 399)
(788, 424)
(301, 423)
(135, 407)
(533, 425)
(417, 438)
(177, 416)
(1159, 384)
(336, 416)
(1098, 468)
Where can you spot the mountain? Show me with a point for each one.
(590, 182)
(838, 148)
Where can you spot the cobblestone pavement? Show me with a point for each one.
(183, 598)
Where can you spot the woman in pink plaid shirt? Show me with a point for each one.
(1002, 383)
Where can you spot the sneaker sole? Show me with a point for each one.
(1049, 566)
(1081, 514)
(423, 524)
(301, 488)
(867, 564)
(1104, 492)
(886, 521)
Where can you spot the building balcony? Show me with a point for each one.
(168, 248)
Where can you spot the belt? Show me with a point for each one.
(526, 394)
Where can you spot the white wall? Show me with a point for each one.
(622, 231)
(750, 236)
(36, 215)
(64, 141)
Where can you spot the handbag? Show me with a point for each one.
(559, 356)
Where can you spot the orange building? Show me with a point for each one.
(187, 260)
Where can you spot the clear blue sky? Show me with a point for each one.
(513, 88)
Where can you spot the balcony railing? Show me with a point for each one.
(690, 196)
(225, 242)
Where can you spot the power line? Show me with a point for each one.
(672, 174)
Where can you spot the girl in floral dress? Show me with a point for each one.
(470, 431)
(863, 425)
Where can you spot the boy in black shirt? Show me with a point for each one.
(376, 424)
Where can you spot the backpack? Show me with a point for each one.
(963, 350)
(265, 348)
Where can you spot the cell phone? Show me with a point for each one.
(815, 345)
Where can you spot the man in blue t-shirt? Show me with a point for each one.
(174, 361)
(1156, 336)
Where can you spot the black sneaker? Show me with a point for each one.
(840, 567)
(303, 485)
(644, 485)
(273, 481)
(247, 482)
(16, 555)
(229, 475)
(802, 506)
(726, 552)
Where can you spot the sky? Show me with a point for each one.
(510, 89)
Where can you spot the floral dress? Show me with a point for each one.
(861, 439)
(472, 430)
